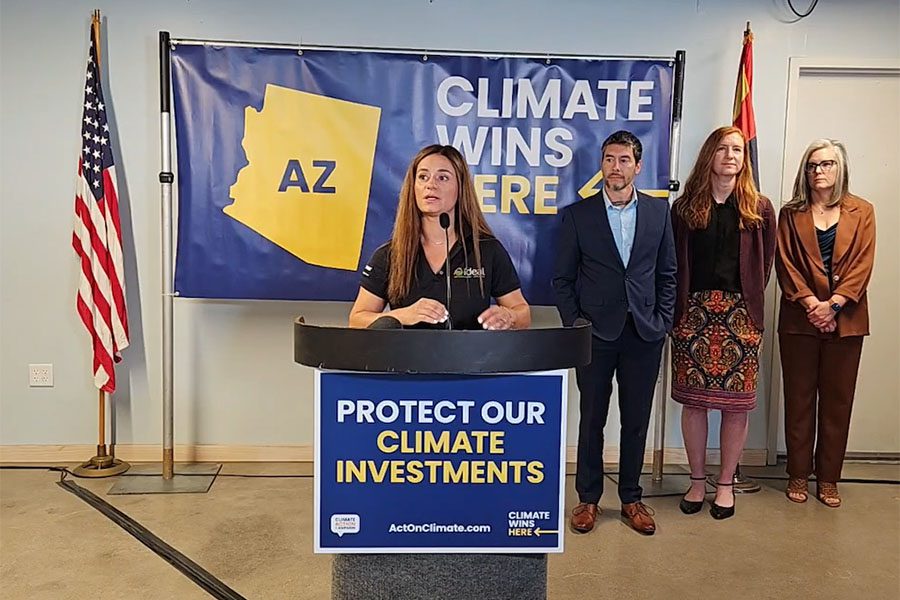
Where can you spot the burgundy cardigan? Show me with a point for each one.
(757, 254)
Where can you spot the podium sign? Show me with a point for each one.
(440, 463)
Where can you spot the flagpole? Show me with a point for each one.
(103, 464)
(742, 483)
(101, 411)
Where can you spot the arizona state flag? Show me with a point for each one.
(743, 102)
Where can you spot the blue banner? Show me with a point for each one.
(426, 463)
(290, 164)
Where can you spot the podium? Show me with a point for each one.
(422, 434)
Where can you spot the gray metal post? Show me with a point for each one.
(166, 178)
(653, 484)
(197, 477)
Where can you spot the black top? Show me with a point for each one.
(497, 272)
(715, 251)
(826, 246)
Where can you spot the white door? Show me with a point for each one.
(859, 104)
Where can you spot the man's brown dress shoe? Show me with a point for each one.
(640, 517)
(583, 517)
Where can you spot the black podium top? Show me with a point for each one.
(441, 352)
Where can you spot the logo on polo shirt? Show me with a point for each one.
(468, 273)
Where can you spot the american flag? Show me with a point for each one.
(97, 237)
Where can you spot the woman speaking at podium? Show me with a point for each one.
(443, 264)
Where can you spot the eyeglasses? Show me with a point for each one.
(825, 165)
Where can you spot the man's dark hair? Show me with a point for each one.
(624, 138)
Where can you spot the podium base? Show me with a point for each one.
(439, 576)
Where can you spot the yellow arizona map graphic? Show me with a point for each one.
(306, 187)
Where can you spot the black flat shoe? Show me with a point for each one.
(721, 512)
(689, 507)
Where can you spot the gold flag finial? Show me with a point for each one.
(95, 32)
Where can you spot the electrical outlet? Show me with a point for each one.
(40, 375)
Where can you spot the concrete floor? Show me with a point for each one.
(255, 535)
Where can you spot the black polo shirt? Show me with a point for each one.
(467, 302)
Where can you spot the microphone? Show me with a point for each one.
(444, 219)
(385, 322)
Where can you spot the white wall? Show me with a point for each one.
(235, 381)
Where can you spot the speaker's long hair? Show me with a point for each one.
(406, 239)
(695, 204)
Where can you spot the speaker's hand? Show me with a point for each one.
(425, 310)
(497, 317)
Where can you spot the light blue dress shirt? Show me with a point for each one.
(622, 222)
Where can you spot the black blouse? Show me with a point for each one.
(826, 246)
(715, 251)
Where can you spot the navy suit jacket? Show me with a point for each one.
(591, 282)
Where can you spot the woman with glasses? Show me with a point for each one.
(826, 247)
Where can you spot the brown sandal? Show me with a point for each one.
(799, 487)
(827, 494)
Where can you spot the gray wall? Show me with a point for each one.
(235, 382)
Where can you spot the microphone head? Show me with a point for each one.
(385, 322)
(445, 220)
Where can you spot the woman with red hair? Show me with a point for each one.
(725, 245)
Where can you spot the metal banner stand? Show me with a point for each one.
(657, 484)
(199, 477)
(154, 478)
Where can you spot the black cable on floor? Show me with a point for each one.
(843, 480)
(609, 475)
(126, 474)
(37, 468)
(189, 568)
(248, 475)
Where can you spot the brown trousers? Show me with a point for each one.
(819, 383)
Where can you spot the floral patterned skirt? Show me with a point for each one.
(715, 353)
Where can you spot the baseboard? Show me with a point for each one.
(148, 453)
(137, 453)
(677, 456)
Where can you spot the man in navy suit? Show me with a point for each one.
(616, 268)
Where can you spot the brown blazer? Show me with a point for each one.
(757, 250)
(801, 271)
